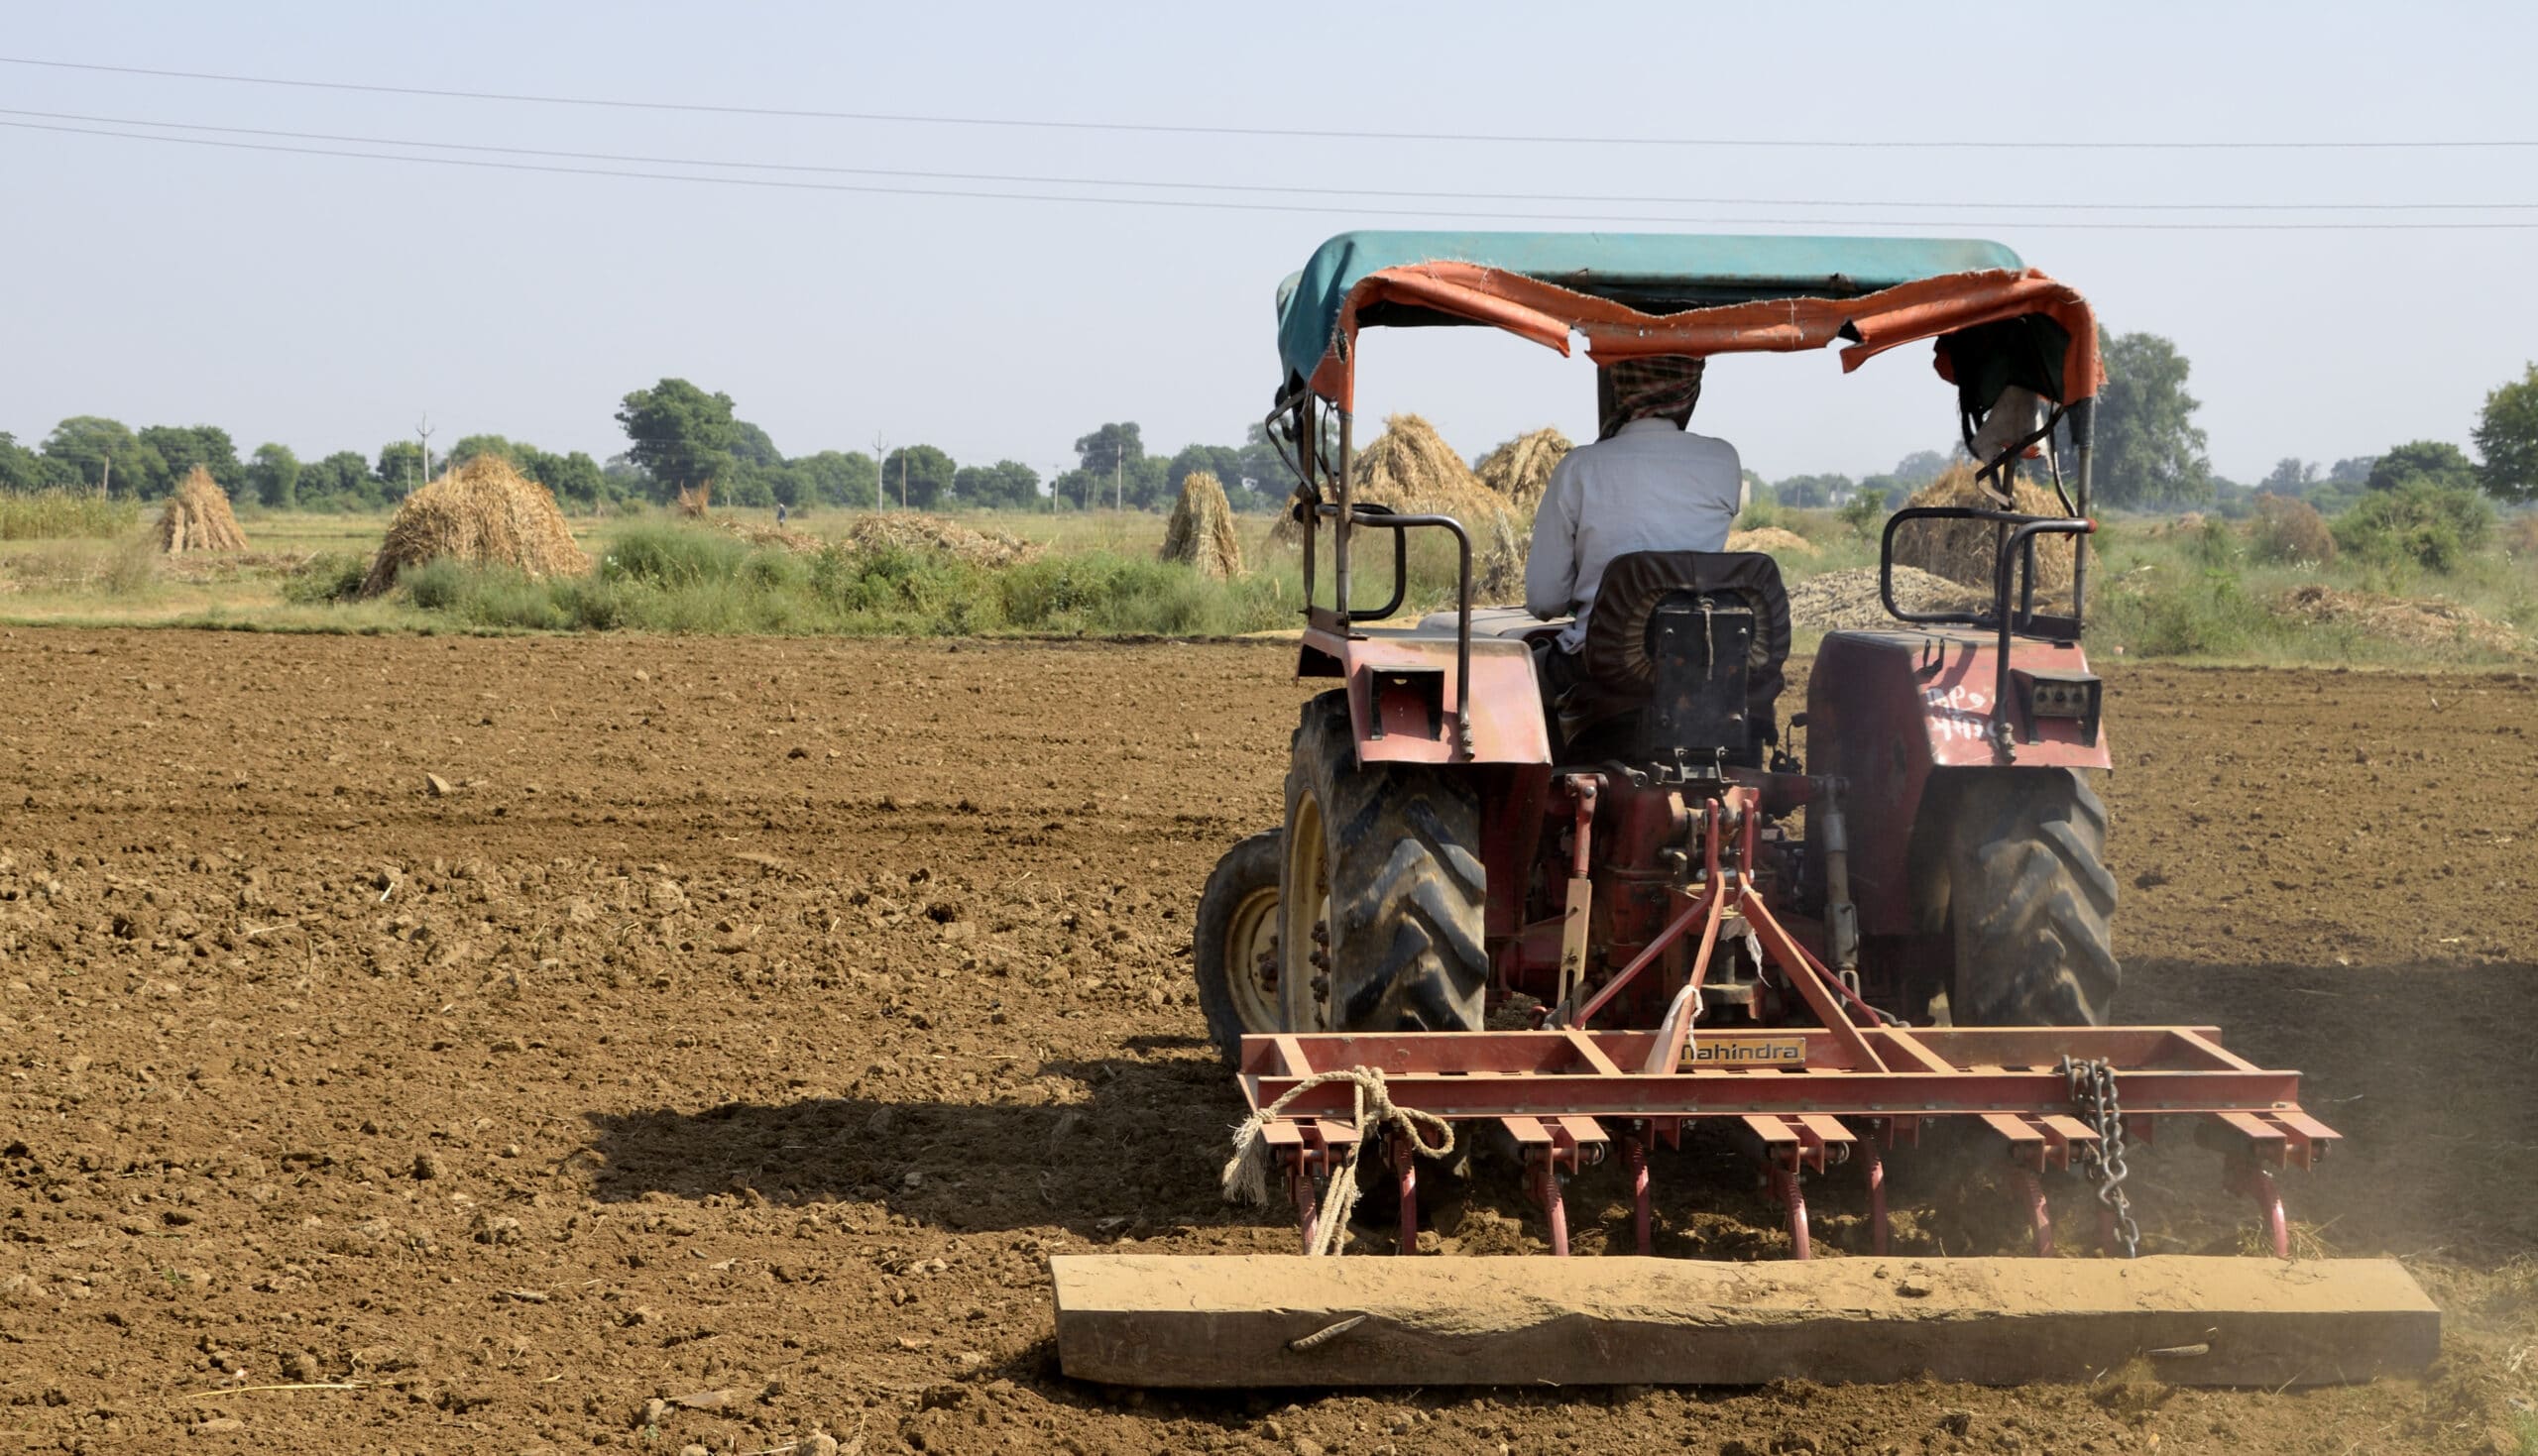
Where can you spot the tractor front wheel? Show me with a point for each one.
(1382, 893)
(1235, 946)
(2031, 901)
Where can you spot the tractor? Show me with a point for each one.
(1661, 905)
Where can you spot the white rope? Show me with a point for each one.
(1246, 1174)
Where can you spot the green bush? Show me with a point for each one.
(329, 576)
(50, 515)
(1865, 513)
(439, 584)
(2290, 531)
(661, 555)
(2201, 614)
(2420, 523)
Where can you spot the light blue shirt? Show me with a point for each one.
(1650, 488)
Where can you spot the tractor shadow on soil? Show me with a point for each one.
(2425, 1069)
(1139, 1154)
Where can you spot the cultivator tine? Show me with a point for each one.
(1405, 1162)
(1307, 1196)
(1548, 1192)
(1635, 1159)
(1791, 1193)
(2245, 1177)
(1879, 1232)
(2029, 1190)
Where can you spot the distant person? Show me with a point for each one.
(1647, 484)
(780, 516)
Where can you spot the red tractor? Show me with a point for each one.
(1655, 911)
(1920, 847)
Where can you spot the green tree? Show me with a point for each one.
(2292, 476)
(1224, 462)
(181, 447)
(2506, 434)
(752, 445)
(2437, 462)
(572, 478)
(1112, 445)
(680, 435)
(836, 478)
(102, 452)
(273, 474)
(1813, 492)
(1919, 468)
(401, 468)
(471, 446)
(2150, 451)
(916, 477)
(21, 468)
(1008, 485)
(340, 481)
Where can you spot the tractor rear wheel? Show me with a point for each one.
(2031, 901)
(1382, 892)
(1235, 944)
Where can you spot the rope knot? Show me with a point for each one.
(1246, 1173)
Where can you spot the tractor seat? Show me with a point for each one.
(1643, 596)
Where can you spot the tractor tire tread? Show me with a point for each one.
(1407, 891)
(2033, 902)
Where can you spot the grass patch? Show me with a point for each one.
(671, 578)
(56, 515)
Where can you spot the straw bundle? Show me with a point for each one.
(1964, 551)
(1519, 470)
(1200, 533)
(693, 504)
(485, 513)
(1769, 538)
(1411, 467)
(907, 531)
(1848, 601)
(197, 517)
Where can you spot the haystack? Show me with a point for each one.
(485, 513)
(694, 503)
(2422, 622)
(1519, 470)
(197, 517)
(1848, 601)
(903, 530)
(1769, 538)
(1964, 551)
(1200, 533)
(1411, 467)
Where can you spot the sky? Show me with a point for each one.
(332, 302)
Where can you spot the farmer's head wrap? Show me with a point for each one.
(1659, 385)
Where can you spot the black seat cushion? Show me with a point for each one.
(1615, 652)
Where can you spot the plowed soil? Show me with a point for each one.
(485, 1040)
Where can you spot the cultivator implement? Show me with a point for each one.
(1800, 1102)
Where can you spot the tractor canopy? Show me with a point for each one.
(1997, 321)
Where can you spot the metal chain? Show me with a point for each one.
(2093, 1092)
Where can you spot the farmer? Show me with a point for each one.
(1647, 484)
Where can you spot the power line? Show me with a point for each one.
(1291, 133)
(915, 174)
(1218, 206)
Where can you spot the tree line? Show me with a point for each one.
(2151, 454)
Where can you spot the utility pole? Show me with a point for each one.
(1118, 467)
(880, 452)
(423, 431)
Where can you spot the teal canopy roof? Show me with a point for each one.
(1653, 273)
